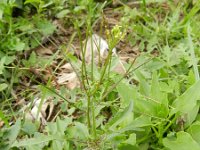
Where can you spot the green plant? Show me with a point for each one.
(153, 105)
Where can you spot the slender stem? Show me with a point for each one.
(88, 113)
(93, 121)
(127, 72)
(169, 124)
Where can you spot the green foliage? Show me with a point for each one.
(8, 136)
(182, 141)
(153, 106)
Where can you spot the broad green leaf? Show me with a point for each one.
(158, 97)
(58, 127)
(144, 86)
(79, 8)
(2, 62)
(36, 141)
(9, 59)
(120, 116)
(191, 116)
(14, 131)
(16, 44)
(131, 140)
(25, 25)
(141, 121)
(165, 87)
(183, 141)
(57, 145)
(146, 106)
(191, 77)
(19, 3)
(82, 129)
(136, 125)
(192, 53)
(32, 1)
(62, 13)
(155, 87)
(194, 131)
(127, 147)
(3, 86)
(32, 61)
(188, 100)
(29, 127)
(152, 107)
(126, 92)
(33, 147)
(155, 64)
(45, 27)
(1, 12)
(3, 118)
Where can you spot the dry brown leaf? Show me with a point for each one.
(69, 79)
(41, 51)
(1, 124)
(67, 67)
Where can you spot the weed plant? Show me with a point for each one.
(154, 105)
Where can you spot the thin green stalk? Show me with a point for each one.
(88, 113)
(127, 72)
(108, 59)
(155, 131)
(92, 60)
(83, 65)
(144, 4)
(84, 77)
(10, 105)
(144, 139)
(89, 34)
(103, 73)
(169, 124)
(53, 91)
(93, 121)
(160, 133)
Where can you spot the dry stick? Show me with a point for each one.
(127, 72)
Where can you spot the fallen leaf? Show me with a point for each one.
(67, 67)
(68, 79)
(96, 47)
(41, 51)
